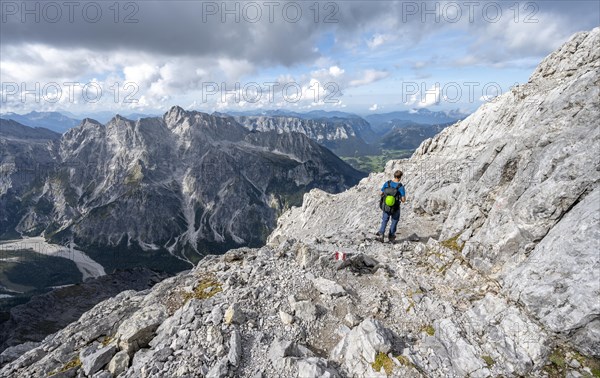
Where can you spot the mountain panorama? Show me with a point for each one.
(186, 183)
(346, 134)
(495, 271)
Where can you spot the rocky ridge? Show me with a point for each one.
(344, 136)
(483, 281)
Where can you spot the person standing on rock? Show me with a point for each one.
(392, 193)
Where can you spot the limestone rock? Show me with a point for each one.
(315, 367)
(119, 363)
(219, 370)
(94, 359)
(234, 314)
(328, 287)
(305, 310)
(508, 273)
(286, 318)
(137, 331)
(235, 348)
(357, 349)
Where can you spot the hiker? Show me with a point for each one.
(392, 192)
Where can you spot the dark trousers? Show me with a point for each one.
(384, 221)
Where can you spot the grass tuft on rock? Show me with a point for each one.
(383, 361)
(74, 363)
(558, 363)
(206, 288)
(107, 340)
(452, 243)
(428, 329)
(489, 361)
(404, 360)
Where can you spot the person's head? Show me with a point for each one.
(398, 174)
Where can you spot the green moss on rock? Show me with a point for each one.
(383, 361)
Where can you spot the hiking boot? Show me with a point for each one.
(379, 236)
(392, 238)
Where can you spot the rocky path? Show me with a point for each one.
(291, 310)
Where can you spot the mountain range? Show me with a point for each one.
(188, 182)
(62, 121)
(408, 135)
(381, 123)
(55, 121)
(343, 136)
(346, 134)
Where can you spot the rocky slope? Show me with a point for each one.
(27, 156)
(495, 272)
(515, 186)
(50, 312)
(187, 182)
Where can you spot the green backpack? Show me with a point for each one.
(390, 200)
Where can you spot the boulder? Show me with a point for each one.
(305, 310)
(286, 318)
(93, 359)
(328, 287)
(119, 363)
(137, 331)
(314, 367)
(235, 348)
(234, 315)
(358, 348)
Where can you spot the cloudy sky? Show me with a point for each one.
(358, 56)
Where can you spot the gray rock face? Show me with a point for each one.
(328, 287)
(569, 250)
(186, 180)
(314, 367)
(430, 308)
(234, 314)
(358, 349)
(119, 363)
(93, 358)
(137, 331)
(286, 318)
(235, 348)
(28, 156)
(12, 353)
(219, 370)
(305, 310)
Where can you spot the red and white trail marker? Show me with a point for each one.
(340, 256)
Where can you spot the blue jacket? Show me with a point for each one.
(394, 184)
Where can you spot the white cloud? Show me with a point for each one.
(378, 40)
(368, 77)
(171, 64)
(142, 74)
(429, 98)
(336, 71)
(373, 107)
(235, 69)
